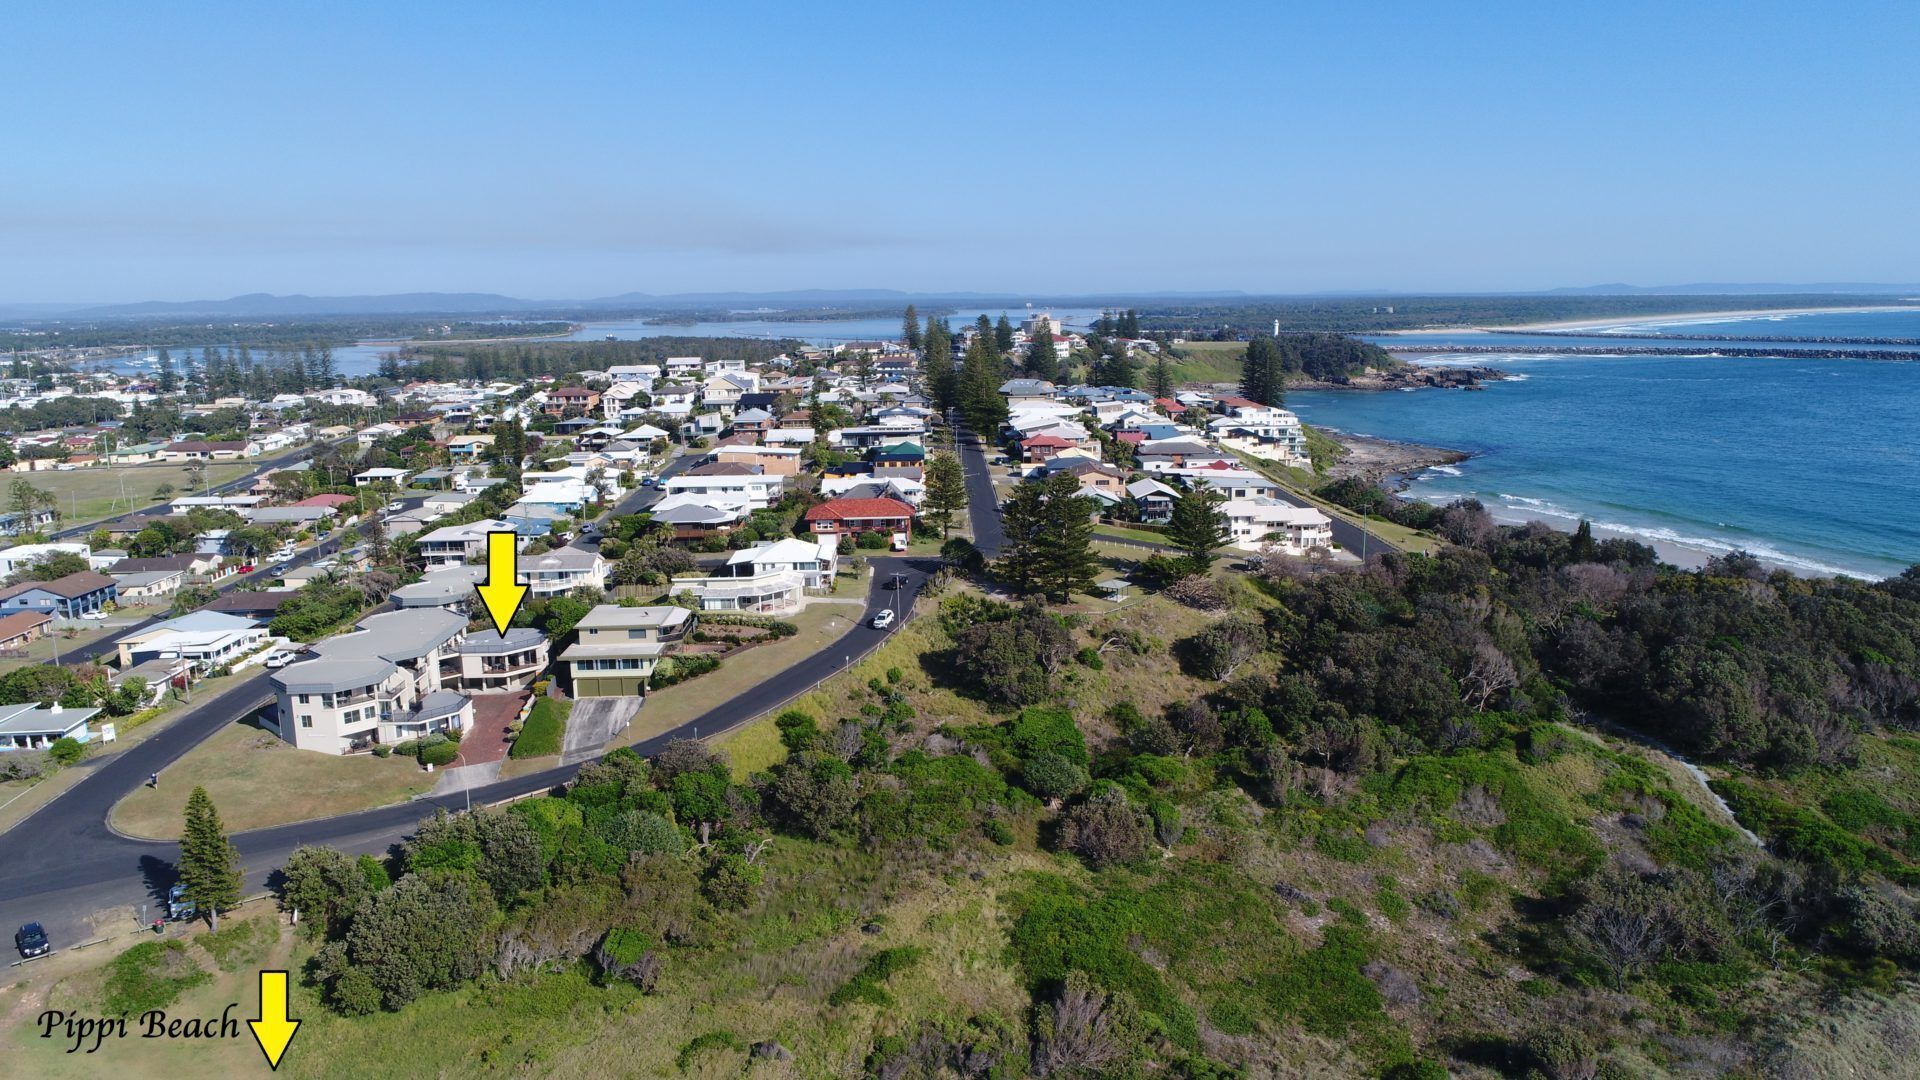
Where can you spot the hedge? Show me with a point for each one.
(681, 667)
(545, 730)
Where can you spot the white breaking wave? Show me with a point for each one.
(1443, 470)
(1515, 509)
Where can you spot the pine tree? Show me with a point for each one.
(910, 328)
(1043, 362)
(936, 359)
(1067, 559)
(1261, 373)
(209, 863)
(946, 492)
(1003, 335)
(981, 374)
(1583, 548)
(1197, 527)
(983, 328)
(168, 384)
(1117, 368)
(1130, 324)
(1024, 521)
(1162, 378)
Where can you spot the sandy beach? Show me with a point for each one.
(1678, 316)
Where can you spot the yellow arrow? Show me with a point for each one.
(502, 594)
(273, 1031)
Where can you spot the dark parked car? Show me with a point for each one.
(179, 908)
(31, 941)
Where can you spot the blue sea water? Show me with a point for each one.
(1812, 465)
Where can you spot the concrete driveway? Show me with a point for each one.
(593, 723)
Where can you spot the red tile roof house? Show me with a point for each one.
(1041, 447)
(22, 628)
(570, 397)
(332, 502)
(850, 517)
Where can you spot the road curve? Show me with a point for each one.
(63, 864)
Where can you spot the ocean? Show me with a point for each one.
(1810, 465)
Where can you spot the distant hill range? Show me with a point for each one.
(1843, 288)
(269, 305)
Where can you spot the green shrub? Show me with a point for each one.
(439, 754)
(151, 975)
(997, 831)
(883, 965)
(66, 750)
(680, 668)
(700, 1044)
(545, 731)
(382, 750)
(1045, 729)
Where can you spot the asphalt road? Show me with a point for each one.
(983, 505)
(106, 646)
(63, 864)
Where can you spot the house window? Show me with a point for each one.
(306, 721)
(304, 699)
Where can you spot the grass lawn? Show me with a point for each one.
(669, 708)
(1123, 533)
(251, 939)
(850, 586)
(92, 494)
(752, 748)
(1206, 361)
(257, 780)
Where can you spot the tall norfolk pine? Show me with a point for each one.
(209, 863)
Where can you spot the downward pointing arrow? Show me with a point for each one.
(273, 1031)
(502, 594)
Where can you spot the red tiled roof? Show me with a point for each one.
(1043, 441)
(1134, 437)
(330, 501)
(842, 509)
(22, 621)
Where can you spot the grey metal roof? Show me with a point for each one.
(614, 650)
(326, 676)
(437, 704)
(616, 617)
(489, 642)
(395, 636)
(40, 720)
(440, 587)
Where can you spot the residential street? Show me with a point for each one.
(64, 864)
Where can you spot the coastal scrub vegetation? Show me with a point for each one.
(1419, 818)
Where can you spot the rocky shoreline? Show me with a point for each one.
(1411, 377)
(1386, 462)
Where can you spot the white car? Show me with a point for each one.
(277, 660)
(96, 616)
(396, 508)
(884, 619)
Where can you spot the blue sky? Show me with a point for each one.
(570, 149)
